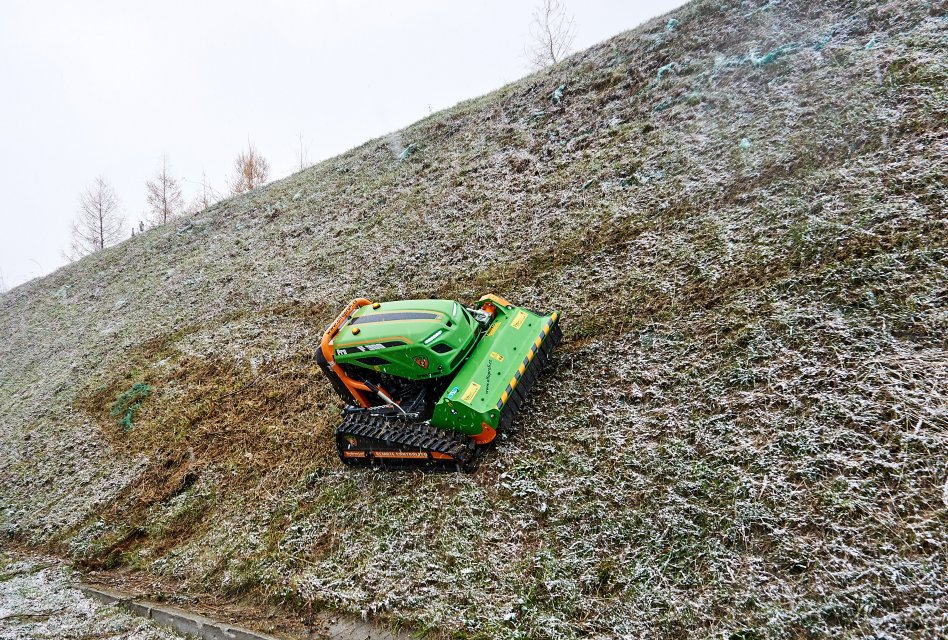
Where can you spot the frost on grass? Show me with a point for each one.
(39, 599)
(744, 432)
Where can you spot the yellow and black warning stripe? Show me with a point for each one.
(522, 369)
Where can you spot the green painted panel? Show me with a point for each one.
(414, 339)
(480, 387)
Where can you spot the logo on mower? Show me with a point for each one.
(421, 362)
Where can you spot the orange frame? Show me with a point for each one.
(356, 388)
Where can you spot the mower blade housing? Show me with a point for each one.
(488, 390)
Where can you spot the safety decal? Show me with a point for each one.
(518, 319)
(471, 391)
(496, 356)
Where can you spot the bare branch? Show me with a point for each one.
(551, 34)
(302, 153)
(251, 170)
(207, 196)
(164, 198)
(98, 223)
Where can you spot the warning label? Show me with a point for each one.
(471, 391)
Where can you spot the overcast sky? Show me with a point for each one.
(107, 88)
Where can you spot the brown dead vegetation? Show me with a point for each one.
(262, 426)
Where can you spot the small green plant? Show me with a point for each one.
(128, 403)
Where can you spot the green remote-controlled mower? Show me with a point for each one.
(428, 382)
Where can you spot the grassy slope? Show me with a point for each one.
(741, 217)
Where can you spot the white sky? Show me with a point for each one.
(90, 88)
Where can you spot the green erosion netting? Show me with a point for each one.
(128, 403)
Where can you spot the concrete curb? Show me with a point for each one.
(178, 619)
(332, 628)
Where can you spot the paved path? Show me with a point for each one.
(39, 598)
(329, 627)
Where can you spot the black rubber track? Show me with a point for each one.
(374, 441)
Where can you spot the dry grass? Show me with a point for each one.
(262, 426)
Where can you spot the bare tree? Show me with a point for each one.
(206, 196)
(3, 285)
(302, 152)
(551, 34)
(164, 197)
(250, 170)
(98, 222)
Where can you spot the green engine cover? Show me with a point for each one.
(414, 339)
(485, 382)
